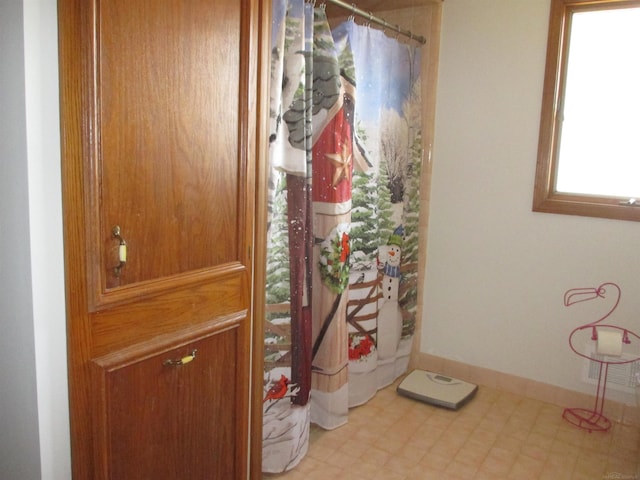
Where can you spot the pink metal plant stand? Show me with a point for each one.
(593, 419)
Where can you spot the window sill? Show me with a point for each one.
(588, 206)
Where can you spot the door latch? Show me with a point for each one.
(180, 361)
(122, 250)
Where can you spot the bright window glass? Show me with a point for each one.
(599, 151)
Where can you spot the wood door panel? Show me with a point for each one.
(160, 107)
(167, 74)
(151, 413)
(217, 300)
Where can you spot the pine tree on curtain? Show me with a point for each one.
(343, 226)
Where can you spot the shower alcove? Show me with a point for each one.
(421, 18)
(286, 384)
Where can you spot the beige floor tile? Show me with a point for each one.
(589, 463)
(460, 470)
(472, 454)
(328, 471)
(321, 453)
(534, 451)
(413, 453)
(481, 436)
(375, 456)
(561, 462)
(362, 469)
(401, 465)
(596, 444)
(496, 466)
(447, 448)
(550, 472)
(309, 464)
(425, 473)
(622, 470)
(426, 437)
(384, 474)
(498, 435)
(435, 461)
(390, 444)
(343, 459)
(526, 467)
(365, 436)
(509, 443)
(562, 447)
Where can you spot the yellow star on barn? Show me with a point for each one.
(342, 164)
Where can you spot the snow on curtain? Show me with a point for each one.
(342, 258)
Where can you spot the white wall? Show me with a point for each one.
(45, 210)
(34, 420)
(496, 271)
(19, 449)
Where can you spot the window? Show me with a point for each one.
(589, 147)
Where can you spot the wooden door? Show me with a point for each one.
(160, 112)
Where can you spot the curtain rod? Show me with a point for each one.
(372, 18)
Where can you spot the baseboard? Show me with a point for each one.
(615, 411)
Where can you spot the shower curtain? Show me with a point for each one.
(342, 247)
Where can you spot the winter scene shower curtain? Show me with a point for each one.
(342, 257)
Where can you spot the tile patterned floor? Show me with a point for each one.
(497, 435)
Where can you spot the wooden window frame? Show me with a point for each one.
(545, 197)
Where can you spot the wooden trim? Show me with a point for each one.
(261, 31)
(136, 291)
(162, 343)
(72, 86)
(431, 60)
(545, 197)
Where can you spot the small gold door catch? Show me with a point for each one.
(122, 250)
(181, 361)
